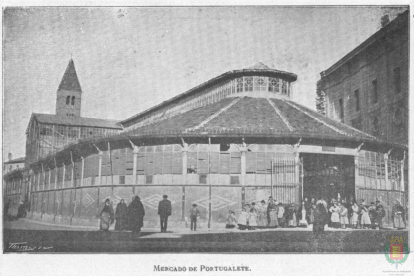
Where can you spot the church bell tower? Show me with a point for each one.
(69, 93)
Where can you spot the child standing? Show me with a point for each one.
(231, 220)
(242, 221)
(252, 219)
(194, 214)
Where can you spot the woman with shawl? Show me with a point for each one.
(320, 219)
(291, 215)
(106, 216)
(365, 220)
(398, 216)
(121, 216)
(272, 214)
(312, 207)
(380, 214)
(262, 215)
(136, 213)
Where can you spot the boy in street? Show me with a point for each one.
(194, 214)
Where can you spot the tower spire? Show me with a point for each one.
(68, 100)
(70, 79)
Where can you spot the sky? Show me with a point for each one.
(129, 59)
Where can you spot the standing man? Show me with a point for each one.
(164, 210)
(194, 214)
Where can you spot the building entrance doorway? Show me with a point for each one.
(328, 176)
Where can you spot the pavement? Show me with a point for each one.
(31, 236)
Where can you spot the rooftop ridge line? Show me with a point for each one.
(200, 125)
(280, 115)
(317, 119)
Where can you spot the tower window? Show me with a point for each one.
(397, 80)
(356, 95)
(341, 109)
(374, 91)
(375, 125)
(73, 100)
(67, 100)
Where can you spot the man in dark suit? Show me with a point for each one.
(164, 210)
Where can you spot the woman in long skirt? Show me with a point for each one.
(365, 220)
(320, 219)
(343, 216)
(262, 215)
(107, 216)
(310, 214)
(398, 216)
(252, 219)
(355, 215)
(335, 222)
(136, 213)
(121, 216)
(292, 216)
(272, 214)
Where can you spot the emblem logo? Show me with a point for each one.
(396, 251)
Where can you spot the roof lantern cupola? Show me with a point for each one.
(261, 81)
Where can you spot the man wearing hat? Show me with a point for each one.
(164, 210)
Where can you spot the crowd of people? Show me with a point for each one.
(337, 214)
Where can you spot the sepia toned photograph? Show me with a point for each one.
(220, 129)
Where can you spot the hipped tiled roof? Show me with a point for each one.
(258, 68)
(252, 116)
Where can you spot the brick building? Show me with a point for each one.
(368, 88)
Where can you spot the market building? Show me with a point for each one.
(234, 139)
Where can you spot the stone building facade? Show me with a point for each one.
(368, 88)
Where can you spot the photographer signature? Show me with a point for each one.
(22, 246)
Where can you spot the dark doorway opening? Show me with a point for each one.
(328, 176)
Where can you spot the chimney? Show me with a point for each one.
(10, 156)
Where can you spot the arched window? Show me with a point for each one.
(68, 100)
(73, 100)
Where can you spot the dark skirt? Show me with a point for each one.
(121, 224)
(318, 227)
